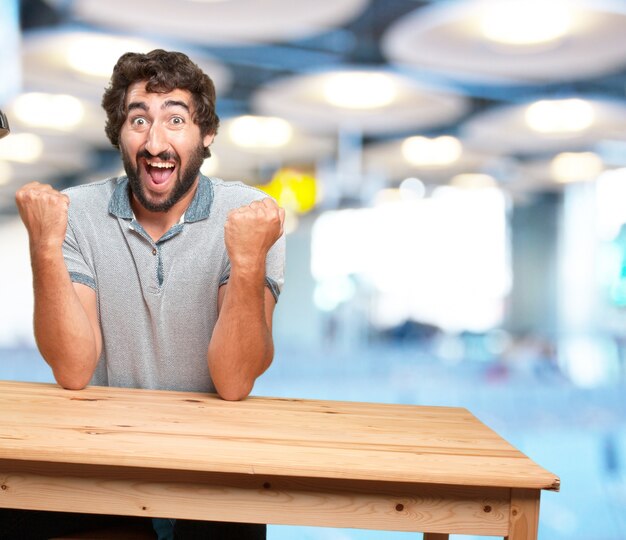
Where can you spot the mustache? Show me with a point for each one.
(164, 156)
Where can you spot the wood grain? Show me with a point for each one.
(254, 499)
(524, 518)
(264, 460)
(263, 436)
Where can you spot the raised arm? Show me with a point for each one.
(65, 321)
(241, 346)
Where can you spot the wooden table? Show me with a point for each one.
(436, 470)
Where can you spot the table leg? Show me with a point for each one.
(435, 536)
(524, 514)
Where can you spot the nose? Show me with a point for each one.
(156, 141)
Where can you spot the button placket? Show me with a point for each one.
(156, 252)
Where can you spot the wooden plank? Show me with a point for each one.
(524, 517)
(435, 536)
(295, 438)
(256, 499)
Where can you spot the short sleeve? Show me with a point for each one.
(274, 269)
(79, 270)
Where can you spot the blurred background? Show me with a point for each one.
(454, 174)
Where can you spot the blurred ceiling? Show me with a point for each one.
(369, 92)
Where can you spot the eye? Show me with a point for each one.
(139, 121)
(178, 120)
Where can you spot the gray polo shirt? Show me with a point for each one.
(157, 301)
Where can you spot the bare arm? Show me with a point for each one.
(241, 346)
(65, 320)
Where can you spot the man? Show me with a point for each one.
(161, 278)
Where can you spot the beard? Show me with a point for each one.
(184, 182)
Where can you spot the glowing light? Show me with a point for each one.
(56, 111)
(412, 188)
(423, 241)
(293, 190)
(359, 90)
(589, 362)
(525, 22)
(473, 181)
(5, 173)
(576, 167)
(96, 55)
(560, 116)
(260, 132)
(437, 152)
(610, 193)
(21, 147)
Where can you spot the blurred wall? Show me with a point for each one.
(534, 255)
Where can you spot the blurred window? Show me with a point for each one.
(443, 260)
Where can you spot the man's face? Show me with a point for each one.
(162, 149)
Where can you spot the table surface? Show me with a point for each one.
(268, 436)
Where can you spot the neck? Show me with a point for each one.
(156, 224)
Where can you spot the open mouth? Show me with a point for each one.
(159, 171)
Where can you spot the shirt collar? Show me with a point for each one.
(198, 209)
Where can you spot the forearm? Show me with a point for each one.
(241, 346)
(63, 331)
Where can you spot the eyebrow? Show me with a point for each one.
(167, 104)
(175, 103)
(137, 105)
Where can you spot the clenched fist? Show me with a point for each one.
(44, 212)
(250, 232)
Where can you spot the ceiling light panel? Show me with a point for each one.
(365, 100)
(525, 22)
(511, 41)
(51, 111)
(225, 22)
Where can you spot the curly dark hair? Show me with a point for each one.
(163, 71)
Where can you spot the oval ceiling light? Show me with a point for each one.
(530, 128)
(576, 166)
(96, 55)
(359, 90)
(473, 181)
(500, 42)
(55, 111)
(560, 116)
(370, 101)
(525, 22)
(220, 22)
(80, 62)
(21, 147)
(437, 152)
(260, 131)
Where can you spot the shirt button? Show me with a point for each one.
(154, 251)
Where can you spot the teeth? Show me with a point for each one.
(162, 165)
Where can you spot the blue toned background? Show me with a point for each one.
(456, 202)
